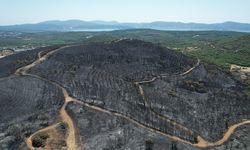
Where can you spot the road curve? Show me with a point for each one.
(71, 135)
(71, 138)
(202, 143)
(205, 144)
(141, 91)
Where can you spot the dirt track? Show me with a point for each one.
(202, 143)
(72, 137)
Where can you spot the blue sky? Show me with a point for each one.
(203, 11)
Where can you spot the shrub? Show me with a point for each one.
(39, 140)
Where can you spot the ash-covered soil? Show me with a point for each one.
(27, 104)
(10, 64)
(104, 75)
(131, 95)
(240, 140)
(206, 100)
(102, 131)
(99, 131)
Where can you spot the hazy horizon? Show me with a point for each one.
(213, 11)
(122, 22)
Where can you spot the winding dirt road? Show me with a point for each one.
(191, 69)
(72, 136)
(205, 144)
(138, 84)
(202, 143)
(23, 70)
(159, 115)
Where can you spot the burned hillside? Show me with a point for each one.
(140, 94)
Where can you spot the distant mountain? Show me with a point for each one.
(69, 25)
(78, 25)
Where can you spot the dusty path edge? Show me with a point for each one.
(64, 117)
(201, 142)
